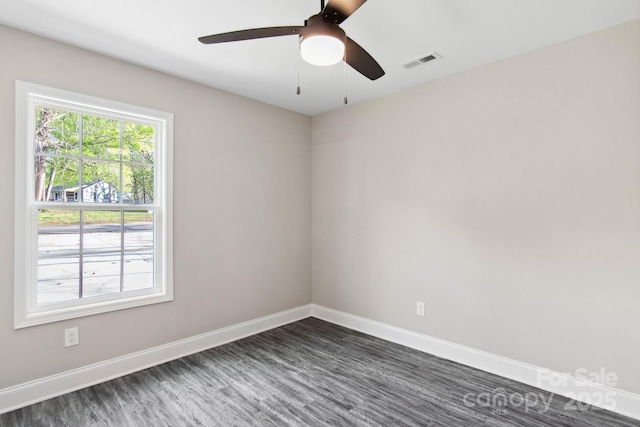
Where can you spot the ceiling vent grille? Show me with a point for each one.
(433, 56)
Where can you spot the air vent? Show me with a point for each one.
(423, 60)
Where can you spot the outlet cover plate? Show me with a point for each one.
(71, 337)
(420, 309)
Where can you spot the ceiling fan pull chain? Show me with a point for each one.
(298, 90)
(344, 69)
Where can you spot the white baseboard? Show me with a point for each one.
(21, 395)
(613, 399)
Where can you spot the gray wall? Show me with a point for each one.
(506, 197)
(242, 209)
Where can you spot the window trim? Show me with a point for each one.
(26, 311)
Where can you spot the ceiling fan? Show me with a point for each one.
(322, 41)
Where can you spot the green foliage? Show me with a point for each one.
(106, 149)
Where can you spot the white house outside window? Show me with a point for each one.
(93, 205)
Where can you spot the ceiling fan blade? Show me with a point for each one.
(339, 10)
(255, 33)
(361, 61)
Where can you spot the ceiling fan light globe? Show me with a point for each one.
(322, 50)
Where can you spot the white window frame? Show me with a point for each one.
(26, 310)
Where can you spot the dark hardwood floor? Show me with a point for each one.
(309, 373)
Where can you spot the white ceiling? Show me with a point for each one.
(162, 34)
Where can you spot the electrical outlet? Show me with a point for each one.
(420, 310)
(71, 337)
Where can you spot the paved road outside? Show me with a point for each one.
(96, 228)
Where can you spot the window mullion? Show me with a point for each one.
(81, 199)
(81, 255)
(121, 201)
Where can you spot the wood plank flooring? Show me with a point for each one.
(308, 373)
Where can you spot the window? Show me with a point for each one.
(93, 205)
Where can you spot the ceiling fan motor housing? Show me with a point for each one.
(318, 25)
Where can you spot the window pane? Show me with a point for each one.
(101, 252)
(56, 179)
(101, 274)
(138, 250)
(137, 143)
(56, 132)
(100, 138)
(137, 184)
(58, 256)
(101, 181)
(101, 230)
